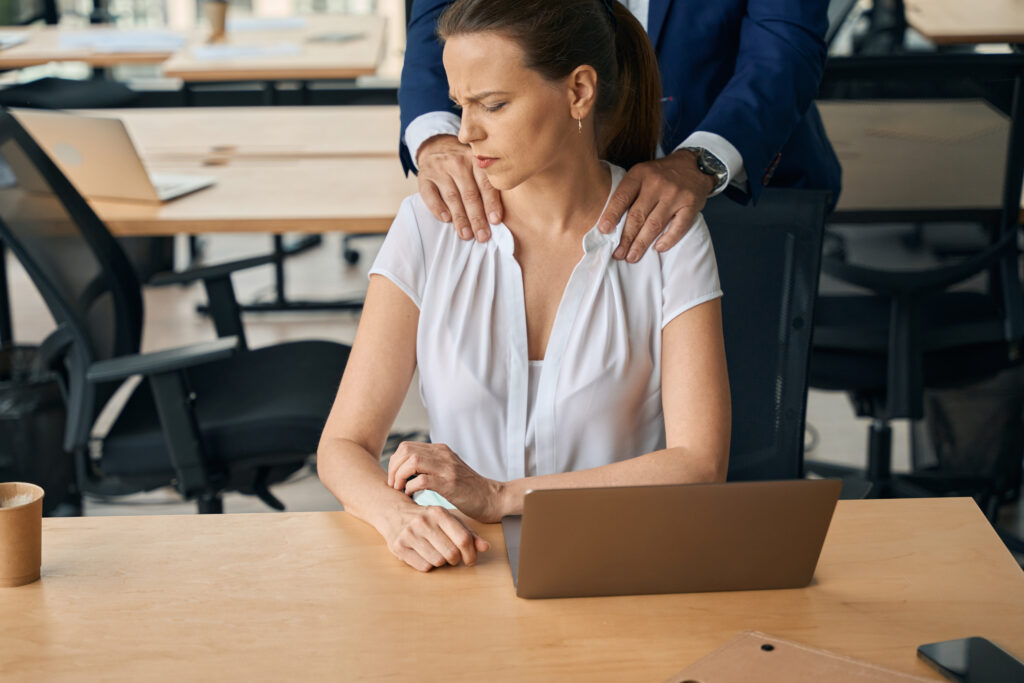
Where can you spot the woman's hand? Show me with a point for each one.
(437, 468)
(428, 537)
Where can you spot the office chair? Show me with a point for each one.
(768, 261)
(207, 418)
(913, 332)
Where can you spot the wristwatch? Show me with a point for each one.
(711, 165)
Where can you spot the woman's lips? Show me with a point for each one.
(484, 162)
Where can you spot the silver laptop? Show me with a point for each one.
(98, 157)
(669, 539)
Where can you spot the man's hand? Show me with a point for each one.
(455, 189)
(437, 468)
(661, 196)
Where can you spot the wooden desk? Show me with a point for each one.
(950, 22)
(43, 46)
(312, 61)
(311, 195)
(316, 596)
(191, 133)
(918, 156)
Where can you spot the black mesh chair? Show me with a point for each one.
(768, 258)
(207, 418)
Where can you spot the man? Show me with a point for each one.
(738, 79)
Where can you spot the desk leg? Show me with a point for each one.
(270, 93)
(1009, 280)
(6, 334)
(281, 302)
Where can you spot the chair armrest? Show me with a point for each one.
(210, 272)
(894, 283)
(157, 362)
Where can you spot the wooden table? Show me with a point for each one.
(317, 596)
(221, 133)
(310, 59)
(278, 169)
(297, 195)
(918, 156)
(953, 22)
(43, 45)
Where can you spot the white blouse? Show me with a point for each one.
(596, 397)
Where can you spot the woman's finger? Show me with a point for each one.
(413, 559)
(400, 455)
(412, 466)
(463, 538)
(420, 482)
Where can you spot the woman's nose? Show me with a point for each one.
(469, 130)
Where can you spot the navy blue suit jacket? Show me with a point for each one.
(747, 70)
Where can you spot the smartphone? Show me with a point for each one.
(972, 660)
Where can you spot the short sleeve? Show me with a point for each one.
(689, 273)
(401, 257)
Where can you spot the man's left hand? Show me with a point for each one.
(661, 196)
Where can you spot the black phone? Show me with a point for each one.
(972, 660)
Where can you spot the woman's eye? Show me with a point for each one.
(493, 107)
(457, 106)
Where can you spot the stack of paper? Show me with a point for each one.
(121, 40)
(217, 52)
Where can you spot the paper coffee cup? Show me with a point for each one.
(21, 533)
(216, 14)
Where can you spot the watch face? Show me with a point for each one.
(712, 163)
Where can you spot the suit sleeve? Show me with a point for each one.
(779, 65)
(424, 86)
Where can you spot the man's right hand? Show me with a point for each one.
(455, 189)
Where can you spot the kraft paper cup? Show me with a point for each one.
(216, 14)
(21, 533)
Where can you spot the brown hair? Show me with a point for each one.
(559, 35)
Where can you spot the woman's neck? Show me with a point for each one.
(563, 201)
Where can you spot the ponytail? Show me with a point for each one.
(556, 37)
(630, 134)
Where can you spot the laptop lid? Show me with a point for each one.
(98, 157)
(670, 539)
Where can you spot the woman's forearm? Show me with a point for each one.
(667, 466)
(357, 480)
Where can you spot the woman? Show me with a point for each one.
(544, 363)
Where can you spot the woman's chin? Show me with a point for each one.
(502, 181)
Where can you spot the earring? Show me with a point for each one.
(579, 122)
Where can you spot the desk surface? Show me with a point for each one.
(948, 22)
(43, 45)
(302, 195)
(316, 596)
(928, 155)
(260, 132)
(302, 53)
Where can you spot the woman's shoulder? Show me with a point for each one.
(415, 215)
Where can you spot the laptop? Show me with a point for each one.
(686, 538)
(98, 157)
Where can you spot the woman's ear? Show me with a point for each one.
(582, 91)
